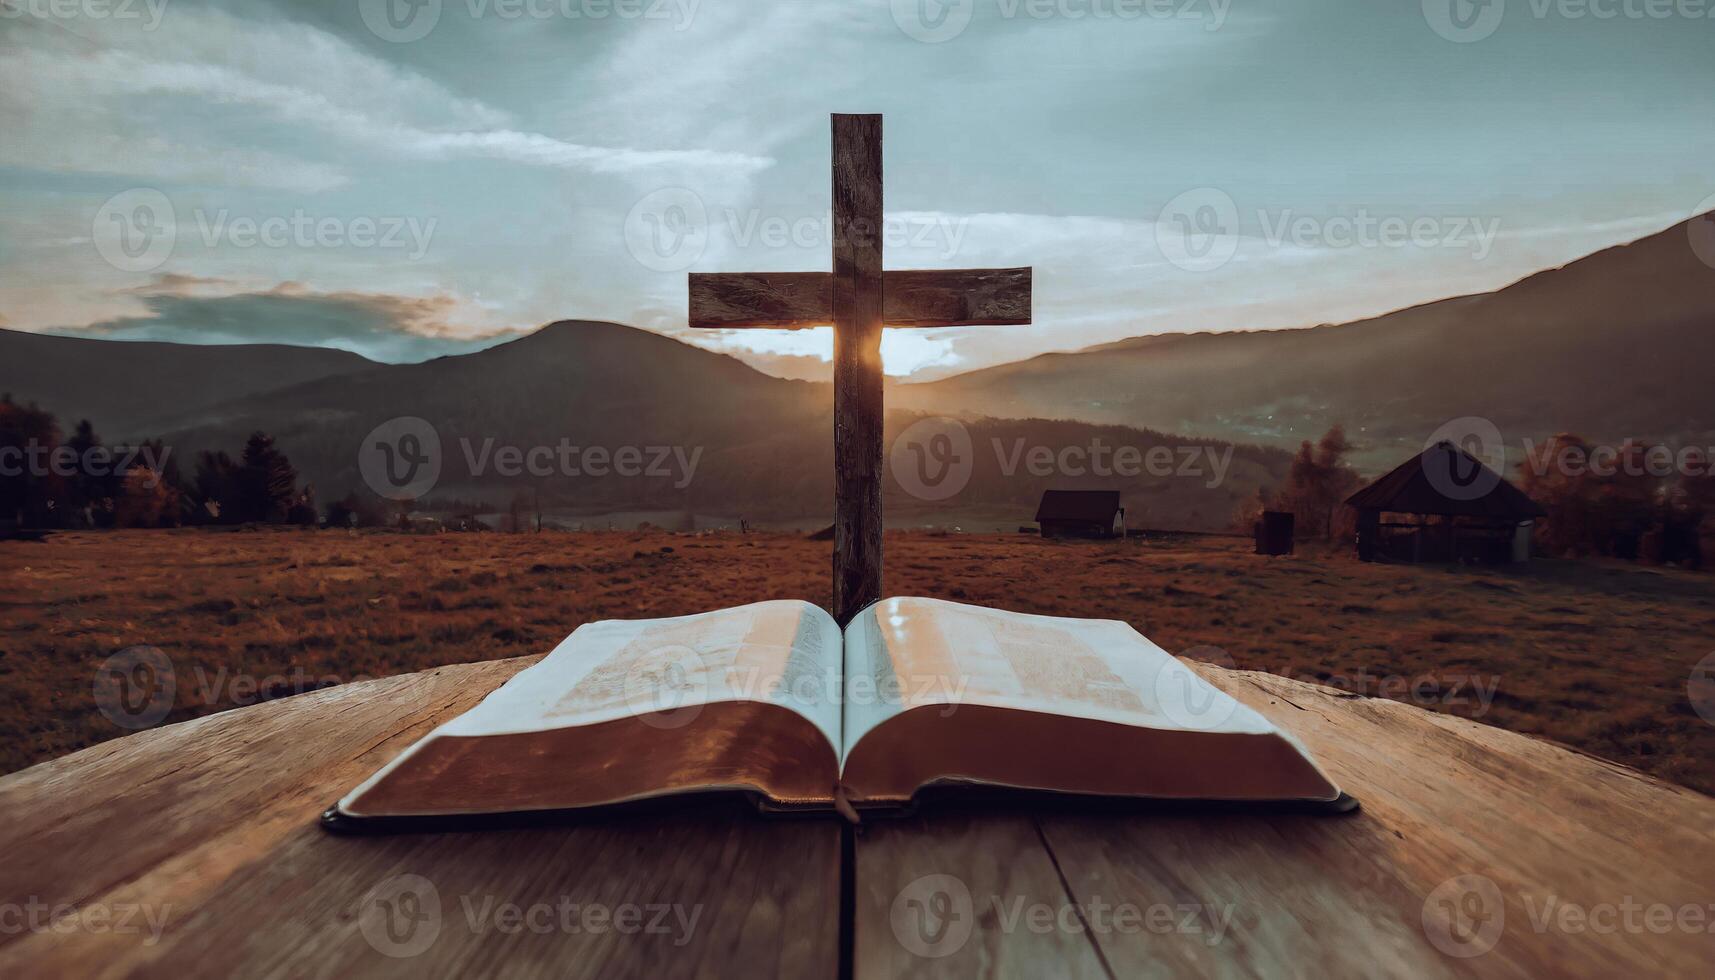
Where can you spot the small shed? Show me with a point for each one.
(1444, 505)
(1081, 514)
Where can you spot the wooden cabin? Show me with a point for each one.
(1444, 505)
(1081, 514)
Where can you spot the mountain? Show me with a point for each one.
(761, 447)
(128, 388)
(1616, 344)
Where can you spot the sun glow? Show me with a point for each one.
(903, 352)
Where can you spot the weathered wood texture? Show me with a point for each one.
(210, 824)
(857, 363)
(910, 298)
(859, 299)
(1556, 834)
(210, 828)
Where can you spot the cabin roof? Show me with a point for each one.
(1079, 505)
(1448, 481)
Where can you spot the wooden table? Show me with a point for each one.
(193, 850)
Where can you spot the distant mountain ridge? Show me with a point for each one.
(1616, 344)
(762, 446)
(1612, 345)
(130, 388)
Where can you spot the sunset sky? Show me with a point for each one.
(319, 174)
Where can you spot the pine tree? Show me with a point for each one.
(267, 483)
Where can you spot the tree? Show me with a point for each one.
(1317, 485)
(1597, 503)
(303, 508)
(92, 487)
(356, 510)
(29, 493)
(145, 499)
(216, 487)
(267, 483)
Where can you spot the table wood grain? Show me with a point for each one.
(1493, 844)
(1476, 854)
(210, 827)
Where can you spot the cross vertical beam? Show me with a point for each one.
(859, 299)
(857, 304)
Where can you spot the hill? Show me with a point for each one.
(128, 388)
(1615, 344)
(731, 441)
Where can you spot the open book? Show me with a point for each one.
(773, 700)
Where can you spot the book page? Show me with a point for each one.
(933, 652)
(786, 652)
(624, 710)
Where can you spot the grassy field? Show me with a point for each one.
(1591, 654)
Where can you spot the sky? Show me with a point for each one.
(413, 178)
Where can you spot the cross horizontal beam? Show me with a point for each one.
(910, 298)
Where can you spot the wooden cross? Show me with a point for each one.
(859, 300)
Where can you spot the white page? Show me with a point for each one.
(617, 668)
(949, 653)
(785, 652)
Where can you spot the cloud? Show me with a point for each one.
(180, 284)
(379, 326)
(104, 104)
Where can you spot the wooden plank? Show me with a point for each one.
(208, 829)
(957, 297)
(782, 300)
(1463, 826)
(923, 906)
(910, 298)
(857, 305)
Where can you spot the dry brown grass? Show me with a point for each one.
(1594, 655)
